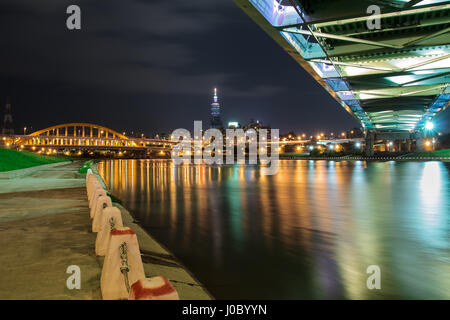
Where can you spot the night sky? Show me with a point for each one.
(151, 66)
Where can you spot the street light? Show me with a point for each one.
(429, 125)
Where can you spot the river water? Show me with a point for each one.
(308, 232)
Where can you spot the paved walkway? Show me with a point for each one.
(45, 227)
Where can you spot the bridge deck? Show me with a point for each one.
(391, 77)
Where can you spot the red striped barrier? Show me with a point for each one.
(114, 279)
(156, 288)
(103, 236)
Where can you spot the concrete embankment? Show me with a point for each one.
(45, 228)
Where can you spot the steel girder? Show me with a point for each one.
(391, 79)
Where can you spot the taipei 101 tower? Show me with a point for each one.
(216, 122)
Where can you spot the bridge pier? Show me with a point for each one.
(370, 139)
(420, 142)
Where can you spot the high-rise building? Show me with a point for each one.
(8, 127)
(216, 122)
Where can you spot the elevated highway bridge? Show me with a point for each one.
(393, 77)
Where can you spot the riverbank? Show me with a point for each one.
(16, 160)
(45, 228)
(439, 155)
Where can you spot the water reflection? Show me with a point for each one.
(310, 231)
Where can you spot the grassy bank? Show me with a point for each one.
(14, 160)
(429, 154)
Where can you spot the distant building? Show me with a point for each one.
(256, 125)
(162, 136)
(216, 121)
(234, 125)
(8, 127)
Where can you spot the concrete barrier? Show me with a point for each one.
(94, 209)
(91, 192)
(116, 272)
(91, 189)
(88, 173)
(103, 236)
(101, 203)
(96, 193)
(92, 183)
(89, 179)
(156, 288)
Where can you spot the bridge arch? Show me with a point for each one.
(79, 130)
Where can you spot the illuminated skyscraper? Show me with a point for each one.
(8, 127)
(216, 122)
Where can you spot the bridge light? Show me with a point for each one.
(429, 125)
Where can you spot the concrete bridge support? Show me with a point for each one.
(370, 139)
(420, 143)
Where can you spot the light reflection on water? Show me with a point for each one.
(309, 232)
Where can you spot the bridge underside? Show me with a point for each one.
(391, 79)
